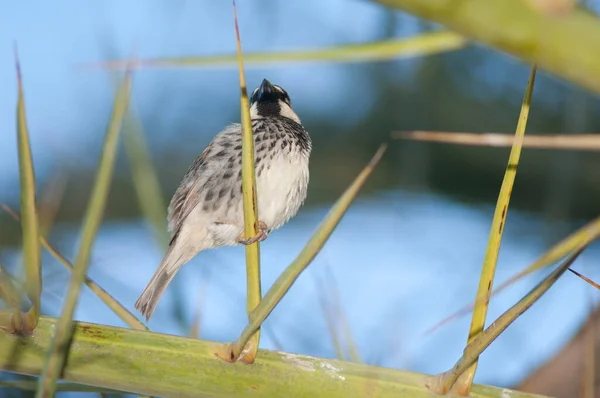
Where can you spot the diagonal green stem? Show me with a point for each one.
(441, 384)
(581, 237)
(312, 248)
(419, 45)
(59, 349)
(122, 312)
(125, 315)
(144, 178)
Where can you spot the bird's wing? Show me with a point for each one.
(187, 195)
(189, 192)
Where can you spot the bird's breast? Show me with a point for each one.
(282, 181)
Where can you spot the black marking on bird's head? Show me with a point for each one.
(268, 92)
(269, 100)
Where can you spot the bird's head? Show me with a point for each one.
(270, 100)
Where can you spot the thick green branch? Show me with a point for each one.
(162, 365)
(566, 46)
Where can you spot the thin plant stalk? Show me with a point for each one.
(579, 142)
(250, 206)
(48, 206)
(329, 320)
(50, 200)
(488, 271)
(285, 281)
(56, 357)
(583, 236)
(353, 353)
(442, 383)
(144, 177)
(31, 245)
(10, 295)
(585, 278)
(419, 45)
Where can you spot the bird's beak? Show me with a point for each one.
(265, 90)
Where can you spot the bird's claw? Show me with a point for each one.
(259, 237)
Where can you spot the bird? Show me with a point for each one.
(206, 211)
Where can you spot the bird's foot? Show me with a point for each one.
(259, 237)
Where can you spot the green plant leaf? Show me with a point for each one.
(112, 303)
(31, 244)
(145, 179)
(581, 237)
(125, 315)
(56, 356)
(442, 383)
(495, 238)
(293, 271)
(9, 294)
(419, 45)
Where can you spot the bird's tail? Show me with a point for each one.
(166, 271)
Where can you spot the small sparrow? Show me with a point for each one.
(207, 212)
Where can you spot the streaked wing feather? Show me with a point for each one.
(187, 197)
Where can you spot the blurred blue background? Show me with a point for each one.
(408, 252)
